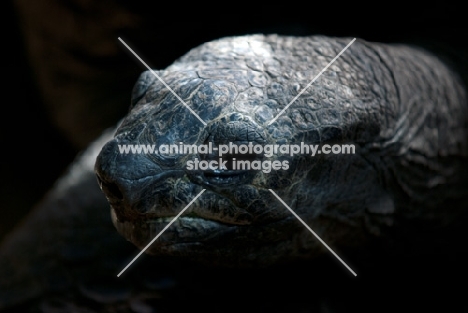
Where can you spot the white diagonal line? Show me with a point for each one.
(160, 233)
(170, 89)
(312, 81)
(313, 233)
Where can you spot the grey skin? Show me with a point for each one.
(403, 109)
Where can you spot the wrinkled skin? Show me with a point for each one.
(405, 118)
(402, 190)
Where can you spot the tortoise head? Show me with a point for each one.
(163, 156)
(178, 144)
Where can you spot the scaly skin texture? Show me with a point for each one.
(403, 110)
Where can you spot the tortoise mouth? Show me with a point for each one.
(163, 206)
(210, 241)
(182, 230)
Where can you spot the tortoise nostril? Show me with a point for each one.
(114, 190)
(111, 189)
